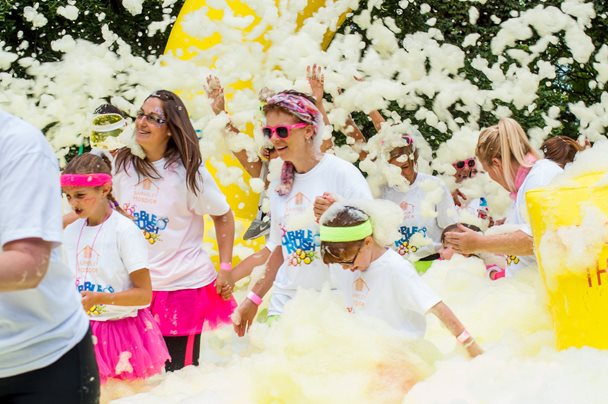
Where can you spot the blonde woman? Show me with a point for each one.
(507, 156)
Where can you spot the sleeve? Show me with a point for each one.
(274, 238)
(413, 294)
(31, 195)
(209, 200)
(132, 247)
(446, 209)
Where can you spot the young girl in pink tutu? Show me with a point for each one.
(168, 191)
(108, 254)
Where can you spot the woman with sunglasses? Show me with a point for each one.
(293, 125)
(507, 156)
(384, 285)
(475, 207)
(167, 193)
(427, 206)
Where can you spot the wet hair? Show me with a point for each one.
(90, 163)
(508, 142)
(348, 216)
(182, 147)
(454, 227)
(109, 109)
(561, 149)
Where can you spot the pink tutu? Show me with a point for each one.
(186, 312)
(129, 348)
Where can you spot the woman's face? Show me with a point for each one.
(295, 145)
(151, 129)
(403, 157)
(494, 170)
(465, 169)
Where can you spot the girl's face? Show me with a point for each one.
(151, 129)
(362, 257)
(494, 170)
(446, 252)
(403, 157)
(86, 201)
(293, 146)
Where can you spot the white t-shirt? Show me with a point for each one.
(171, 217)
(293, 226)
(428, 208)
(37, 326)
(541, 174)
(391, 290)
(103, 256)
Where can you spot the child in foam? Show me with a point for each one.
(509, 159)
(384, 286)
(446, 252)
(167, 193)
(293, 125)
(420, 232)
(108, 254)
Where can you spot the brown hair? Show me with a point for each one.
(348, 216)
(508, 142)
(89, 163)
(182, 147)
(561, 149)
(454, 227)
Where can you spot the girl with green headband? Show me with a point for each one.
(384, 285)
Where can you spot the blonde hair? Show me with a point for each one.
(508, 142)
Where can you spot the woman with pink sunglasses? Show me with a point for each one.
(310, 181)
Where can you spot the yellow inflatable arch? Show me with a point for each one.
(184, 46)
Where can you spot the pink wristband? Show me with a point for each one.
(257, 300)
(225, 266)
(463, 337)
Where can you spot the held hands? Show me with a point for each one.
(224, 285)
(316, 80)
(215, 92)
(322, 203)
(244, 316)
(464, 241)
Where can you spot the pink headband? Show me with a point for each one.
(85, 180)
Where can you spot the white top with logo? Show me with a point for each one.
(391, 290)
(171, 218)
(541, 174)
(294, 228)
(37, 326)
(102, 257)
(422, 225)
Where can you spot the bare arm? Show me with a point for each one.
(139, 295)
(467, 241)
(224, 232)
(451, 322)
(245, 267)
(377, 119)
(69, 218)
(23, 264)
(316, 80)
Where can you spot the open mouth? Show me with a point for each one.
(78, 211)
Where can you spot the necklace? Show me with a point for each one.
(87, 268)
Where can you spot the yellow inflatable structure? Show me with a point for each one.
(243, 203)
(578, 298)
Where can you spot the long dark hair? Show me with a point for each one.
(182, 147)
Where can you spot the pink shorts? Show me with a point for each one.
(189, 311)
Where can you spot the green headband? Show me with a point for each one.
(344, 234)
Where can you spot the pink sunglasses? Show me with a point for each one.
(468, 162)
(282, 131)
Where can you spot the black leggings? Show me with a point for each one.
(184, 351)
(73, 379)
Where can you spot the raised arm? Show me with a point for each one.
(316, 80)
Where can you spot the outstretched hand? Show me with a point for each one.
(316, 80)
(458, 197)
(463, 241)
(215, 92)
(244, 316)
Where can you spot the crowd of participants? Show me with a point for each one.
(135, 289)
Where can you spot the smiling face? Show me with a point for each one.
(295, 146)
(87, 201)
(404, 158)
(150, 133)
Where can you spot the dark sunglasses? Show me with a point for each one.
(153, 119)
(350, 262)
(468, 162)
(282, 131)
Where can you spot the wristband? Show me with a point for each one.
(463, 337)
(257, 300)
(225, 266)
